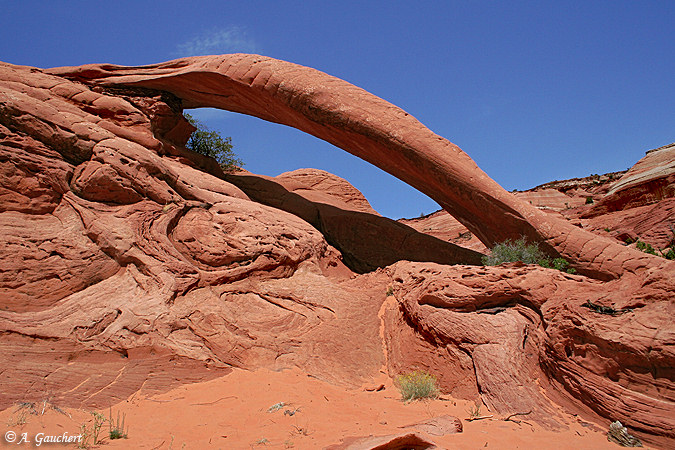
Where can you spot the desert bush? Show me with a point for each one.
(417, 385)
(474, 412)
(589, 200)
(211, 143)
(647, 248)
(519, 250)
(562, 265)
(668, 252)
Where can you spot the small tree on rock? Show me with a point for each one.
(211, 143)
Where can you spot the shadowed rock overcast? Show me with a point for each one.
(532, 92)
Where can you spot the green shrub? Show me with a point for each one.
(519, 250)
(211, 143)
(417, 385)
(589, 200)
(561, 264)
(668, 252)
(647, 248)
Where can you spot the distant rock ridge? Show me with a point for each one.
(591, 182)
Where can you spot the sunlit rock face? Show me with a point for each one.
(129, 257)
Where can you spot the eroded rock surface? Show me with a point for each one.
(130, 263)
(115, 244)
(650, 180)
(512, 330)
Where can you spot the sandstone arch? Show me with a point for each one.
(73, 156)
(374, 130)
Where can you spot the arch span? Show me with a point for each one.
(374, 130)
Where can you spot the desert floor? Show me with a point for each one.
(236, 411)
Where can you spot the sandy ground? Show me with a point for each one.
(236, 412)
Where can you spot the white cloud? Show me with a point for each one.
(232, 39)
(210, 115)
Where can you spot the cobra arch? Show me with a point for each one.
(376, 131)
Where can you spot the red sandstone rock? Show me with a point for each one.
(376, 131)
(443, 226)
(391, 442)
(366, 241)
(438, 426)
(520, 328)
(118, 242)
(319, 186)
(653, 224)
(650, 180)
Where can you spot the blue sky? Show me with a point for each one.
(532, 90)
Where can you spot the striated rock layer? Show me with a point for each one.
(130, 263)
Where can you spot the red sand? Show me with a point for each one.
(232, 412)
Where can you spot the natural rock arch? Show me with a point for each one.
(376, 131)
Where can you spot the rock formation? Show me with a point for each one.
(650, 180)
(374, 130)
(131, 263)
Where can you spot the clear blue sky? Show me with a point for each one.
(532, 90)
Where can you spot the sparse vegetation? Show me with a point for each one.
(563, 265)
(474, 411)
(171, 443)
(211, 143)
(390, 291)
(24, 409)
(643, 246)
(667, 252)
(21, 416)
(99, 420)
(476, 414)
(589, 199)
(417, 385)
(91, 433)
(116, 427)
(85, 435)
(509, 251)
(302, 431)
(520, 250)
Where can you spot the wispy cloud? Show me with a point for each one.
(232, 39)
